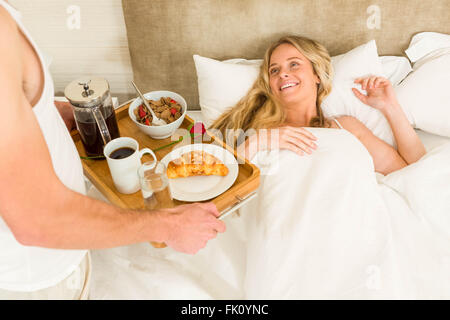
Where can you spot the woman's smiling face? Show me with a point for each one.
(291, 75)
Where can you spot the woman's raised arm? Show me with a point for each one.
(381, 96)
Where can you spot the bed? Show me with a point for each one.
(335, 231)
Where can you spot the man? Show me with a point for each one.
(41, 187)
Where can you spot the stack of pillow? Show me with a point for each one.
(422, 90)
(425, 93)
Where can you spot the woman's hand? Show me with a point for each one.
(380, 93)
(298, 140)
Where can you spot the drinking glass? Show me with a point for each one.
(155, 188)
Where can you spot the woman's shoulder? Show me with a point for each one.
(353, 125)
(335, 124)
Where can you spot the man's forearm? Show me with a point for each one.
(409, 145)
(78, 222)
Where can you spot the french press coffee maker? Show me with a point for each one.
(94, 113)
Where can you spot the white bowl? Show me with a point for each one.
(159, 132)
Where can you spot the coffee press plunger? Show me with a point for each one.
(94, 113)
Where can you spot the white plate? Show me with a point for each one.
(202, 188)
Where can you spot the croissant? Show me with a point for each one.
(196, 163)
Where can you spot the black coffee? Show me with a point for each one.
(91, 137)
(121, 153)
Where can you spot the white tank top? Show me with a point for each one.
(24, 268)
(338, 124)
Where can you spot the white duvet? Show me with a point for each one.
(322, 226)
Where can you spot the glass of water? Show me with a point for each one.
(155, 188)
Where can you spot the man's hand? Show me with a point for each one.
(65, 110)
(191, 226)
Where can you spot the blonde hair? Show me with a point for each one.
(260, 110)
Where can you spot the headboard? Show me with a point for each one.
(164, 34)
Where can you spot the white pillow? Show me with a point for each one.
(425, 42)
(395, 68)
(359, 62)
(425, 94)
(221, 84)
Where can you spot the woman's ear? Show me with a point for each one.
(317, 79)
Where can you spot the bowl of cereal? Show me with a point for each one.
(167, 105)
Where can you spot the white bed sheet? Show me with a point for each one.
(365, 239)
(431, 141)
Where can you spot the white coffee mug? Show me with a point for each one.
(124, 171)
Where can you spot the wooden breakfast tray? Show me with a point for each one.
(97, 171)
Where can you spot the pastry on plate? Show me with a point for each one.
(196, 163)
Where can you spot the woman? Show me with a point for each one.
(294, 79)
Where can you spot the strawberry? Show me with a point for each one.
(141, 111)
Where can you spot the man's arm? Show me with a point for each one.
(41, 211)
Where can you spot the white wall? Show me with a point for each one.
(93, 45)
